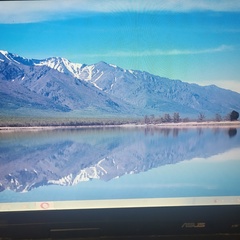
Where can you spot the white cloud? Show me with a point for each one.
(35, 11)
(187, 51)
(160, 52)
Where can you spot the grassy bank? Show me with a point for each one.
(64, 122)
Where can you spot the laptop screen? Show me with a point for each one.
(109, 104)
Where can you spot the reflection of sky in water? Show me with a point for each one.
(162, 163)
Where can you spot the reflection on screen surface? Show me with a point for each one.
(92, 116)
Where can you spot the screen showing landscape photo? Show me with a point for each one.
(136, 101)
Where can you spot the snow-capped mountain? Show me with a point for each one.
(104, 88)
(48, 84)
(60, 64)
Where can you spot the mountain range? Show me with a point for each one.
(57, 85)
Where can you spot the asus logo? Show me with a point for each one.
(194, 225)
(235, 226)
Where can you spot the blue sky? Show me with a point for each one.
(194, 41)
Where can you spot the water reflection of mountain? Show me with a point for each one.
(66, 157)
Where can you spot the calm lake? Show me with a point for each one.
(113, 163)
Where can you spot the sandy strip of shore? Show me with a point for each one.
(210, 124)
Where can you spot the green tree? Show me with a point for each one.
(201, 117)
(234, 115)
(176, 117)
(167, 118)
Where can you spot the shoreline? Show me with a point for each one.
(183, 125)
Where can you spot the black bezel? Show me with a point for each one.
(122, 222)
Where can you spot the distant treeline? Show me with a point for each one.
(64, 122)
(75, 122)
(176, 118)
